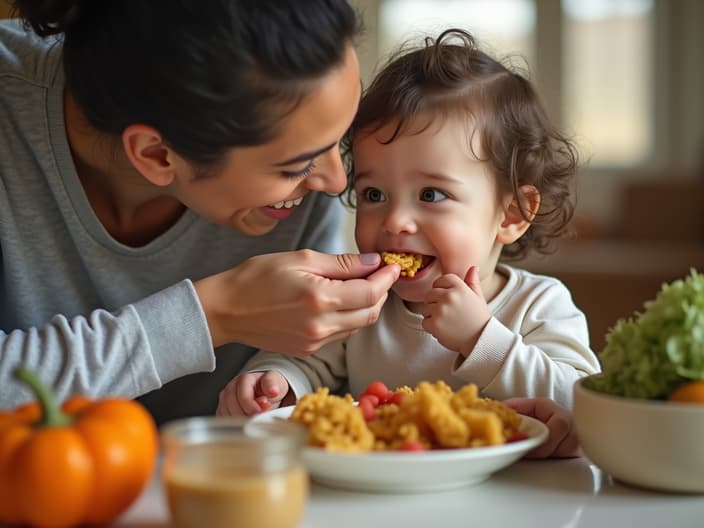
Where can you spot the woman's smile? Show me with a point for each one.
(281, 210)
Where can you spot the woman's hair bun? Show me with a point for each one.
(48, 17)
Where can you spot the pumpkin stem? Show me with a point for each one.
(52, 415)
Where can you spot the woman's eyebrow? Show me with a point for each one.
(305, 156)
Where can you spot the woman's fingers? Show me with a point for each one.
(294, 302)
(344, 266)
(358, 293)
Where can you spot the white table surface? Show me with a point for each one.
(541, 494)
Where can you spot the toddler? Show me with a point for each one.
(454, 162)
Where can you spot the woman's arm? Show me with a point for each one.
(125, 353)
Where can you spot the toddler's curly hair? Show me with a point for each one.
(450, 76)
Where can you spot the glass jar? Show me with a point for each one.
(234, 472)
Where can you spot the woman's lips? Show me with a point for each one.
(278, 214)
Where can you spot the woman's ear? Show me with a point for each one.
(148, 153)
(514, 222)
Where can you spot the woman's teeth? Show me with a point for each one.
(288, 203)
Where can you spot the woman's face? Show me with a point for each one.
(259, 186)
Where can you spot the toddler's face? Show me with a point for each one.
(426, 193)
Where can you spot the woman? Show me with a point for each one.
(160, 165)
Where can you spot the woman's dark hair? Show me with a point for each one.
(449, 76)
(208, 74)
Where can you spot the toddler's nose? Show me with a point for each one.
(399, 220)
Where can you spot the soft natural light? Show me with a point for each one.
(606, 72)
(505, 27)
(600, 9)
(607, 79)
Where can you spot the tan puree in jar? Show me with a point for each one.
(237, 500)
(231, 472)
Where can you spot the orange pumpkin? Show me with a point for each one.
(83, 463)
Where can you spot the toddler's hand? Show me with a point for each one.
(252, 393)
(562, 439)
(455, 311)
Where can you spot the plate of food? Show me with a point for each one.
(428, 438)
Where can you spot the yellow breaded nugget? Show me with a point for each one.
(333, 422)
(409, 262)
(449, 429)
(485, 427)
(431, 414)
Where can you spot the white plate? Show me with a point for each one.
(405, 472)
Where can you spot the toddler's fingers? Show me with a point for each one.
(273, 386)
(557, 446)
(223, 408)
(525, 406)
(246, 392)
(264, 403)
(562, 439)
(473, 281)
(543, 409)
(569, 447)
(227, 401)
(449, 280)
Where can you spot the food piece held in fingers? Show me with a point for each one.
(410, 262)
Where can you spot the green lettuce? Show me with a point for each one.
(650, 354)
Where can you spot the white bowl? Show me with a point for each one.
(654, 444)
(413, 472)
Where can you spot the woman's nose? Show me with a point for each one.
(329, 174)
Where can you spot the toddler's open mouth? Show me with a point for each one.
(411, 263)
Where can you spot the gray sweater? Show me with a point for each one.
(90, 314)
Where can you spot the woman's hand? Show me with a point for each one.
(252, 393)
(562, 439)
(295, 302)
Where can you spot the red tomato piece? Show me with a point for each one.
(372, 398)
(378, 389)
(397, 397)
(365, 405)
(413, 445)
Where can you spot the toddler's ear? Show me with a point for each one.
(516, 222)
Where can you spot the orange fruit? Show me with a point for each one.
(689, 392)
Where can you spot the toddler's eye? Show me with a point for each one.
(372, 194)
(432, 195)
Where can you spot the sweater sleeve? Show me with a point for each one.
(544, 357)
(124, 353)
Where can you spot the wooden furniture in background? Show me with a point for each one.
(659, 239)
(665, 211)
(611, 279)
